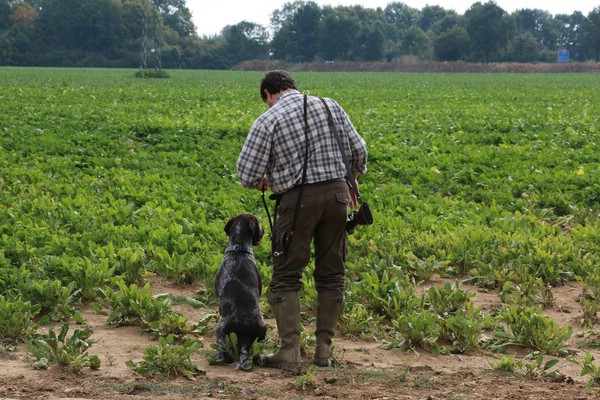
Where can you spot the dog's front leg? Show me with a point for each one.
(222, 355)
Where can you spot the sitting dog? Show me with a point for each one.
(238, 286)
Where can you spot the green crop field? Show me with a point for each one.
(492, 179)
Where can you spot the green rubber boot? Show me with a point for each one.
(286, 307)
(329, 309)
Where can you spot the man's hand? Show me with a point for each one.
(353, 196)
(263, 185)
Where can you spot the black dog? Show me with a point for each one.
(238, 286)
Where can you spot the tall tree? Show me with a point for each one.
(525, 47)
(245, 41)
(17, 35)
(297, 39)
(591, 29)
(570, 34)
(417, 43)
(132, 16)
(452, 44)
(89, 25)
(279, 17)
(539, 24)
(489, 28)
(370, 40)
(370, 44)
(338, 33)
(430, 15)
(400, 19)
(5, 11)
(177, 16)
(402, 15)
(451, 20)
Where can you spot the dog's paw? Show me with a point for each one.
(221, 358)
(260, 360)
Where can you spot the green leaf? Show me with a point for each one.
(550, 364)
(42, 363)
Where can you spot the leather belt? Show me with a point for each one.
(336, 180)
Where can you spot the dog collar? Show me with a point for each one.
(238, 248)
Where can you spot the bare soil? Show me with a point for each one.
(364, 371)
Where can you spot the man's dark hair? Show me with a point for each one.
(275, 82)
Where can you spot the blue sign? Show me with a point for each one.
(563, 56)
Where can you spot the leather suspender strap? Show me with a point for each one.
(305, 137)
(349, 175)
(301, 190)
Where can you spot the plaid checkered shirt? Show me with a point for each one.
(276, 143)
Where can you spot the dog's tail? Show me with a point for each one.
(245, 346)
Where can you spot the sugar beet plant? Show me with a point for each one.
(133, 305)
(441, 320)
(17, 320)
(169, 359)
(526, 326)
(492, 178)
(538, 367)
(589, 368)
(68, 352)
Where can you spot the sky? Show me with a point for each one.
(210, 17)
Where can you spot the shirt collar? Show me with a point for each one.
(286, 93)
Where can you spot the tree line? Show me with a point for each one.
(120, 33)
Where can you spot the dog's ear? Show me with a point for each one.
(257, 232)
(228, 225)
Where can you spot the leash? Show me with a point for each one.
(273, 221)
(264, 201)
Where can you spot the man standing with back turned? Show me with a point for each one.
(296, 155)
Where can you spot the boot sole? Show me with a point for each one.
(322, 362)
(292, 368)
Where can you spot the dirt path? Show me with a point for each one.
(364, 372)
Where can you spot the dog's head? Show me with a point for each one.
(245, 222)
